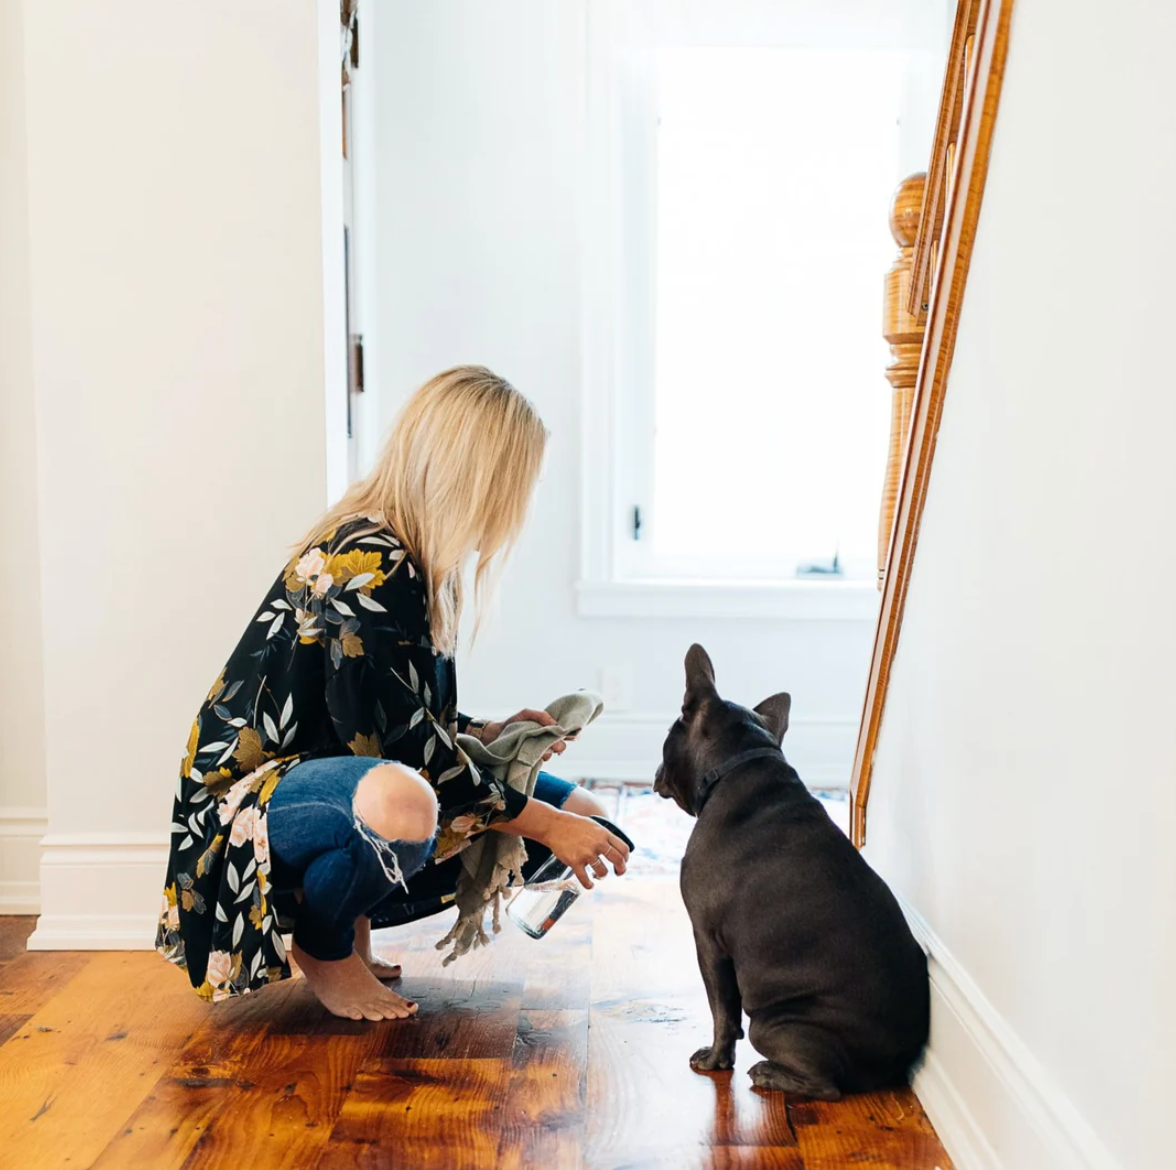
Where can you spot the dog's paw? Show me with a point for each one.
(769, 1076)
(712, 1059)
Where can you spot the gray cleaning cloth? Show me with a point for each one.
(492, 862)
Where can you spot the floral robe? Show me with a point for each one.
(337, 660)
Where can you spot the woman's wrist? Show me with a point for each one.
(536, 822)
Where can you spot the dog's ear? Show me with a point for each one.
(774, 712)
(700, 677)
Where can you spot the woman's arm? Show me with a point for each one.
(578, 841)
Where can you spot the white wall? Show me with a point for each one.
(481, 172)
(22, 717)
(1025, 785)
(187, 363)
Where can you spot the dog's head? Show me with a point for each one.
(710, 730)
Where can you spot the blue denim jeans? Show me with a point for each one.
(319, 845)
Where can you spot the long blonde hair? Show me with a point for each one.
(456, 475)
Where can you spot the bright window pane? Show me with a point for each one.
(774, 172)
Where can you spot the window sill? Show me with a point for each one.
(783, 601)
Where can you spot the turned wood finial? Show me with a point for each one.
(905, 336)
(905, 208)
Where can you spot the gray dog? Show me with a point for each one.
(790, 923)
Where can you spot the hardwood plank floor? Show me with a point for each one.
(566, 1054)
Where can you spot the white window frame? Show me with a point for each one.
(612, 475)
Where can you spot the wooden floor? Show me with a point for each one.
(565, 1053)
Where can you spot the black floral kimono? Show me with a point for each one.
(338, 660)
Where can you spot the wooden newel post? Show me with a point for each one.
(905, 336)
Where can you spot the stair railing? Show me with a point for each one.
(930, 276)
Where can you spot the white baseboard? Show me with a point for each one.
(20, 897)
(100, 891)
(21, 830)
(992, 1102)
(91, 932)
(628, 746)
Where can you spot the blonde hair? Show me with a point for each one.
(456, 475)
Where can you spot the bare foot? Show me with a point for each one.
(380, 968)
(347, 988)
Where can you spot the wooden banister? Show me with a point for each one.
(942, 169)
(942, 253)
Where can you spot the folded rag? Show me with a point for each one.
(492, 862)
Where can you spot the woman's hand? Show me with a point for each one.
(491, 731)
(580, 842)
(585, 845)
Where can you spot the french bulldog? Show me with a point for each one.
(792, 927)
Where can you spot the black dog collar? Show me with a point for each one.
(707, 785)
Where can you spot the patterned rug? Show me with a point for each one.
(660, 829)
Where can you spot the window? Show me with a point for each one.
(759, 448)
(740, 245)
(769, 414)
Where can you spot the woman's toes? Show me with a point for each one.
(383, 969)
(393, 1012)
(388, 1006)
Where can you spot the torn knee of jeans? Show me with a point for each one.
(398, 860)
(396, 803)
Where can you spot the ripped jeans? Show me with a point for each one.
(319, 845)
